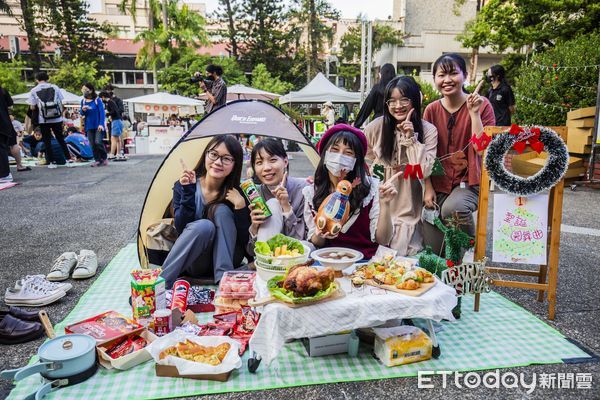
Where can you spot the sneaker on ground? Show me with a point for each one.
(52, 166)
(95, 164)
(111, 157)
(87, 264)
(43, 162)
(7, 179)
(32, 294)
(62, 267)
(42, 281)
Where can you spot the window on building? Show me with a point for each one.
(130, 78)
(139, 78)
(117, 78)
(149, 78)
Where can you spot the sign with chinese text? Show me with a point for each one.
(520, 229)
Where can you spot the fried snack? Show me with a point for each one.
(408, 284)
(193, 351)
(424, 275)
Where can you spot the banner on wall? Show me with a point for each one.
(520, 229)
(167, 110)
(161, 139)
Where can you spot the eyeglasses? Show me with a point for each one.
(214, 156)
(396, 103)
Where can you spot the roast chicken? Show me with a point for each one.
(304, 280)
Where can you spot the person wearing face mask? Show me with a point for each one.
(342, 149)
(500, 95)
(211, 215)
(282, 193)
(397, 139)
(92, 109)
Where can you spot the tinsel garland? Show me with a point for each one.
(432, 262)
(550, 174)
(455, 241)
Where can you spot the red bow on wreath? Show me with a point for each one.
(481, 142)
(414, 171)
(526, 137)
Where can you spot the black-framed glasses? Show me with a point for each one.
(214, 156)
(398, 102)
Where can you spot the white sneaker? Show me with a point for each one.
(87, 264)
(32, 293)
(52, 166)
(42, 281)
(7, 179)
(63, 266)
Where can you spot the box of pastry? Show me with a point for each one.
(403, 344)
(127, 351)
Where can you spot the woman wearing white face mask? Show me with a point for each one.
(343, 150)
(396, 140)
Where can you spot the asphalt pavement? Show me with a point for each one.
(69, 209)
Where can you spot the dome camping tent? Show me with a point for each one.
(249, 117)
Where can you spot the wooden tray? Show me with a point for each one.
(339, 293)
(413, 293)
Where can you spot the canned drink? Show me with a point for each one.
(163, 323)
(180, 294)
(253, 195)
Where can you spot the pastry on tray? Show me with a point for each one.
(392, 272)
(192, 351)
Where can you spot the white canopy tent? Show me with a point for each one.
(320, 90)
(164, 103)
(69, 98)
(243, 92)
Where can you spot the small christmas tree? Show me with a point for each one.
(431, 262)
(438, 168)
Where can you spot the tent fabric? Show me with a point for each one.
(164, 98)
(243, 92)
(320, 90)
(69, 98)
(249, 117)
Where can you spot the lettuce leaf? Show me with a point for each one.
(289, 297)
(281, 239)
(263, 248)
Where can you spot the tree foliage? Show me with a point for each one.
(176, 77)
(567, 88)
(382, 35)
(263, 80)
(71, 75)
(229, 13)
(513, 24)
(11, 78)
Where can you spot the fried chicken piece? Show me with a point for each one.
(306, 281)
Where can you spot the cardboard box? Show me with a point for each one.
(129, 360)
(147, 298)
(587, 122)
(582, 113)
(105, 327)
(171, 371)
(327, 345)
(401, 345)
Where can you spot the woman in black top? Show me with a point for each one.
(500, 95)
(374, 101)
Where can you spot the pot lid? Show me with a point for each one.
(66, 347)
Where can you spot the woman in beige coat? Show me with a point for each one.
(405, 146)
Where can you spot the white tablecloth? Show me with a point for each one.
(360, 308)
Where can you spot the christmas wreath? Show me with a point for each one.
(539, 138)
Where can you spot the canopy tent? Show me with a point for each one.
(68, 98)
(320, 90)
(164, 103)
(249, 117)
(239, 92)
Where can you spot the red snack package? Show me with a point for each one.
(247, 319)
(243, 343)
(211, 329)
(127, 346)
(180, 295)
(227, 317)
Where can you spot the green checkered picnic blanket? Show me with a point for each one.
(501, 335)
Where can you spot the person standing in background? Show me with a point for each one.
(116, 126)
(374, 101)
(329, 113)
(92, 109)
(215, 87)
(15, 139)
(500, 95)
(6, 131)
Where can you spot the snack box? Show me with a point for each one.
(327, 345)
(401, 345)
(237, 285)
(129, 360)
(225, 305)
(171, 371)
(105, 327)
(199, 299)
(147, 297)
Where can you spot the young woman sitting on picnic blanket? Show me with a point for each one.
(342, 149)
(210, 215)
(398, 140)
(283, 195)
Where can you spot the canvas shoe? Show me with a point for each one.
(32, 294)
(42, 281)
(87, 264)
(7, 179)
(63, 266)
(52, 166)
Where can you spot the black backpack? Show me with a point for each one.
(47, 103)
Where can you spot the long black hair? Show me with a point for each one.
(323, 184)
(498, 72)
(272, 147)
(448, 63)
(410, 89)
(388, 72)
(233, 179)
(93, 94)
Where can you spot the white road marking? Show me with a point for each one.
(580, 230)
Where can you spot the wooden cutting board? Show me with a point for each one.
(270, 299)
(414, 293)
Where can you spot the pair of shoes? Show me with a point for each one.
(19, 313)
(111, 157)
(52, 165)
(70, 264)
(14, 330)
(7, 179)
(35, 291)
(95, 164)
(24, 169)
(120, 157)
